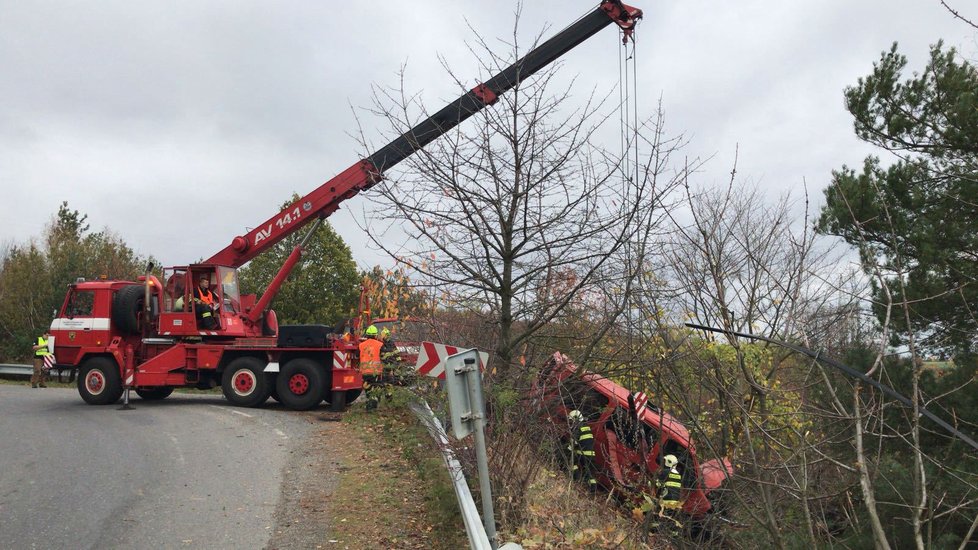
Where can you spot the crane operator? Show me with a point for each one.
(206, 304)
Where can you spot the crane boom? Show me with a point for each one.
(158, 334)
(326, 198)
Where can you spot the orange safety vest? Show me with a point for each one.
(206, 298)
(370, 362)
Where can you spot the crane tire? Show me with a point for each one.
(244, 382)
(127, 307)
(99, 381)
(301, 384)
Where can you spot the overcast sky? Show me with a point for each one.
(179, 125)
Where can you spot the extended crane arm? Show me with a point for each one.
(325, 199)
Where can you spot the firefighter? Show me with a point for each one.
(371, 366)
(391, 359)
(39, 377)
(206, 304)
(582, 450)
(388, 348)
(668, 487)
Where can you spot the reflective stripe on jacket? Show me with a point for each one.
(671, 485)
(585, 441)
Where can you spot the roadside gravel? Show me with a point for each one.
(302, 516)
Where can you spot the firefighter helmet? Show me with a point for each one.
(371, 331)
(670, 461)
(385, 333)
(575, 415)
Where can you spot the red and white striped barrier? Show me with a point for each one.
(432, 356)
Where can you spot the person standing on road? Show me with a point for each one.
(39, 377)
(371, 367)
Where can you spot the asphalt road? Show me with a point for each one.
(186, 472)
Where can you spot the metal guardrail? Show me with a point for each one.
(16, 370)
(26, 371)
(478, 540)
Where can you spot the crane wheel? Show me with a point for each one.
(301, 384)
(245, 383)
(99, 382)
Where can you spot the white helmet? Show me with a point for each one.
(575, 415)
(670, 461)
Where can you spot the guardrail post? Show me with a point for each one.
(474, 379)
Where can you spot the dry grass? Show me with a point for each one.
(560, 514)
(394, 491)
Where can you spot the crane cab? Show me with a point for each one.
(203, 300)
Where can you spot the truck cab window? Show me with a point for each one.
(175, 299)
(80, 304)
(229, 289)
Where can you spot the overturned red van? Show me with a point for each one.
(629, 443)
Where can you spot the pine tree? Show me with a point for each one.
(916, 217)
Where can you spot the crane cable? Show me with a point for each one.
(628, 109)
(629, 159)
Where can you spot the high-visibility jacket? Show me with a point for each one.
(670, 484)
(388, 353)
(370, 362)
(43, 351)
(585, 441)
(583, 448)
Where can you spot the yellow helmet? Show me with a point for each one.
(371, 331)
(670, 461)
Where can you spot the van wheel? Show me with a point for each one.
(99, 382)
(244, 382)
(127, 306)
(154, 394)
(301, 384)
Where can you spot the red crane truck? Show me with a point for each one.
(145, 334)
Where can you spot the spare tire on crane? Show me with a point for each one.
(127, 306)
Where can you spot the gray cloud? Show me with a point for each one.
(181, 124)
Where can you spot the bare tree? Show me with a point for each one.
(517, 214)
(957, 15)
(848, 459)
(741, 262)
